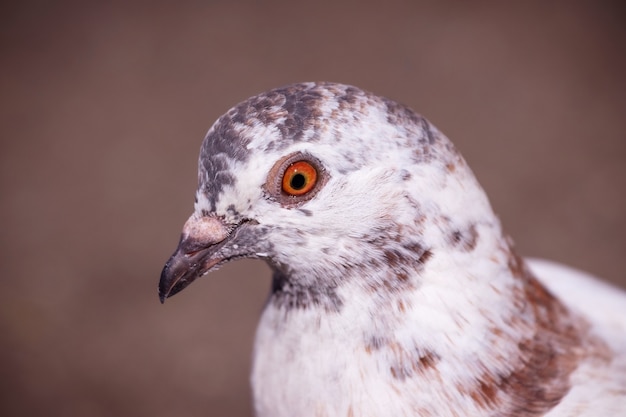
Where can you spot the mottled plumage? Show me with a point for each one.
(395, 291)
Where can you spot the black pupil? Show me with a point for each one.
(297, 182)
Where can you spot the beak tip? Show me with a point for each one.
(164, 287)
(171, 284)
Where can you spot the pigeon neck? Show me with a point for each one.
(492, 338)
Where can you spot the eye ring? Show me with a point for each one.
(299, 178)
(294, 179)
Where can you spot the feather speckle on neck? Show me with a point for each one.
(289, 294)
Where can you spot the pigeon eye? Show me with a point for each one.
(295, 179)
(299, 178)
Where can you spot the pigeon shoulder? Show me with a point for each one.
(603, 304)
(598, 386)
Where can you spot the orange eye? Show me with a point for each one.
(299, 178)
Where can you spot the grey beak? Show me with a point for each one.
(198, 251)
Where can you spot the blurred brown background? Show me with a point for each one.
(103, 109)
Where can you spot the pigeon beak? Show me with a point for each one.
(198, 251)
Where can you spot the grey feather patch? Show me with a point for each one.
(289, 294)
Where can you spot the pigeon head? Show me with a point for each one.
(318, 178)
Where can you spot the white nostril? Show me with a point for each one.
(205, 230)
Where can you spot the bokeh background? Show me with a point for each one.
(103, 107)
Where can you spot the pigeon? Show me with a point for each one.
(395, 291)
